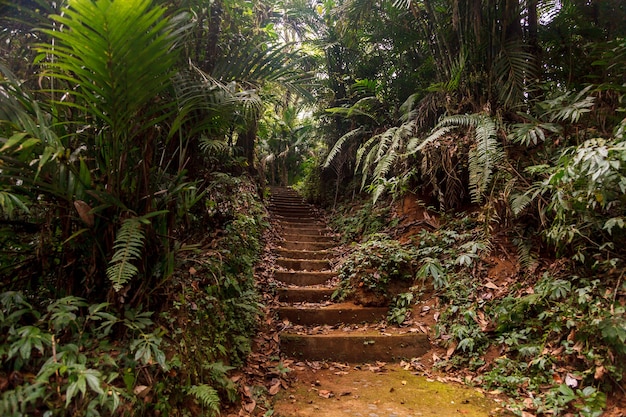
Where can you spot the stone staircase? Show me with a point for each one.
(315, 327)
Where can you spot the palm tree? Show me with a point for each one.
(97, 132)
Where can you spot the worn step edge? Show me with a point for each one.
(287, 206)
(353, 348)
(304, 254)
(303, 264)
(301, 226)
(293, 213)
(304, 295)
(306, 245)
(305, 220)
(303, 278)
(332, 314)
(301, 237)
(307, 230)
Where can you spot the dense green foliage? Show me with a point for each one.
(129, 131)
(129, 222)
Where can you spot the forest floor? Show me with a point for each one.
(407, 389)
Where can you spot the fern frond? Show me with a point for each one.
(207, 396)
(483, 157)
(525, 256)
(339, 144)
(370, 148)
(418, 144)
(378, 191)
(128, 247)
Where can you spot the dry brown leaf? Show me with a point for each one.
(451, 349)
(491, 285)
(325, 393)
(275, 388)
(599, 373)
(84, 212)
(141, 390)
(249, 407)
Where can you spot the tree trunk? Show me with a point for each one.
(245, 143)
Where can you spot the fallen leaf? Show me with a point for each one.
(141, 390)
(599, 373)
(192, 271)
(451, 349)
(491, 285)
(249, 407)
(325, 393)
(274, 388)
(571, 381)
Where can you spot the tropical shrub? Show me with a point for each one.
(63, 358)
(376, 270)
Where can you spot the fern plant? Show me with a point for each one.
(128, 246)
(484, 155)
(207, 396)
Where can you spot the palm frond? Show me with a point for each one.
(255, 65)
(512, 70)
(119, 54)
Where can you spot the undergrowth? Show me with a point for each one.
(68, 357)
(551, 337)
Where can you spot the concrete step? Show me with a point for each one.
(301, 225)
(289, 203)
(304, 294)
(304, 264)
(292, 211)
(307, 230)
(303, 278)
(354, 347)
(296, 221)
(332, 314)
(304, 254)
(306, 245)
(302, 237)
